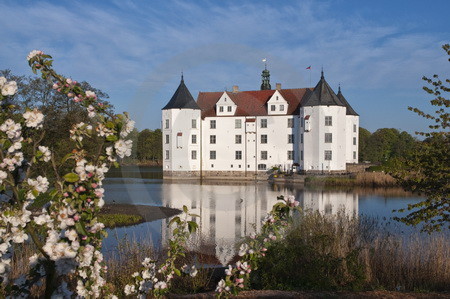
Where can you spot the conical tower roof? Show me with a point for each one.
(323, 95)
(182, 98)
(350, 110)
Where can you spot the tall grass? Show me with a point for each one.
(342, 253)
(363, 179)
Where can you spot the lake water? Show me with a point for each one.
(231, 210)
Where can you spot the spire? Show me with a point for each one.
(339, 88)
(323, 95)
(265, 78)
(350, 110)
(182, 98)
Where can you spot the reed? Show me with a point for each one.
(344, 253)
(363, 179)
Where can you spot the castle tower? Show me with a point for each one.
(352, 128)
(265, 78)
(323, 125)
(181, 128)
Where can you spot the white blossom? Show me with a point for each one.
(123, 147)
(2, 81)
(13, 130)
(33, 118)
(9, 88)
(91, 111)
(3, 175)
(34, 53)
(127, 128)
(46, 154)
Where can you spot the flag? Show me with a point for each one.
(308, 68)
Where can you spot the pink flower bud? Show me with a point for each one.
(89, 200)
(84, 238)
(90, 174)
(70, 94)
(55, 86)
(94, 185)
(76, 217)
(66, 194)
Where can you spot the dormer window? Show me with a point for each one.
(229, 108)
(272, 107)
(221, 108)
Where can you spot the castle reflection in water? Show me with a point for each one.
(228, 213)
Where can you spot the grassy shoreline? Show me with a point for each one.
(364, 179)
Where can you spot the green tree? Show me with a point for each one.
(364, 136)
(427, 170)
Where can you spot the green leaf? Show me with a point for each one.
(185, 209)
(71, 177)
(192, 226)
(177, 272)
(174, 219)
(112, 138)
(80, 228)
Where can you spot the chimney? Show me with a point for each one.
(235, 89)
(278, 86)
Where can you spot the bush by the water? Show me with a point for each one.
(342, 253)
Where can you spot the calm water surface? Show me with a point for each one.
(229, 211)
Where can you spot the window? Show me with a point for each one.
(328, 137)
(262, 166)
(281, 107)
(290, 155)
(229, 108)
(167, 139)
(212, 155)
(221, 109)
(354, 140)
(354, 155)
(263, 138)
(212, 124)
(167, 155)
(291, 138)
(301, 155)
(302, 121)
(263, 155)
(328, 155)
(238, 139)
(212, 139)
(354, 128)
(237, 123)
(194, 155)
(301, 138)
(272, 107)
(263, 123)
(328, 121)
(238, 155)
(167, 123)
(194, 124)
(194, 139)
(290, 122)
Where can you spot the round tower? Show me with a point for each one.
(181, 129)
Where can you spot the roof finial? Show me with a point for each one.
(339, 89)
(182, 77)
(321, 77)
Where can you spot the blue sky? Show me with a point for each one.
(135, 50)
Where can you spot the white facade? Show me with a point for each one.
(245, 133)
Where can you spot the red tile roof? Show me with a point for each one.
(251, 103)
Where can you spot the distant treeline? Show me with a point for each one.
(384, 145)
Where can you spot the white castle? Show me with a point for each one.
(247, 133)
